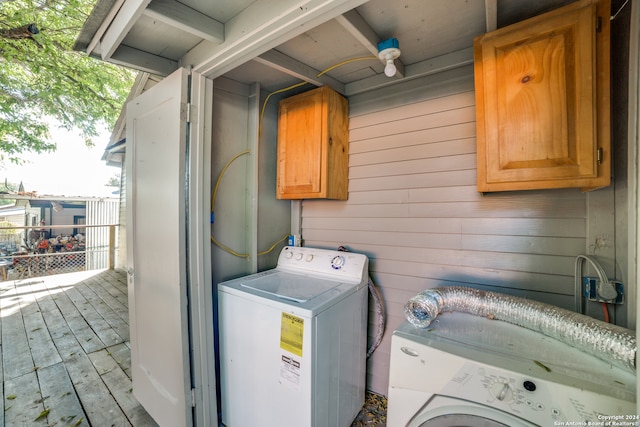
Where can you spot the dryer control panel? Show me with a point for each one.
(531, 398)
(504, 383)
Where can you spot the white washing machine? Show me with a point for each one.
(293, 341)
(466, 370)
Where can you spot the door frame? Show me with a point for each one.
(204, 380)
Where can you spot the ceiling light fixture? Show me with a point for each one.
(388, 51)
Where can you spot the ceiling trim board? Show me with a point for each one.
(143, 61)
(260, 27)
(124, 20)
(281, 62)
(435, 65)
(491, 14)
(186, 19)
(408, 91)
(365, 35)
(103, 27)
(360, 30)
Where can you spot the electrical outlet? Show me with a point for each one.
(591, 293)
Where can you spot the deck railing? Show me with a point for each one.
(43, 250)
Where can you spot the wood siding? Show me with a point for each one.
(413, 208)
(121, 241)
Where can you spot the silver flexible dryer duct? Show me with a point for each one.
(606, 341)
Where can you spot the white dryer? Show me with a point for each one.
(466, 370)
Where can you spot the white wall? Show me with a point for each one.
(235, 113)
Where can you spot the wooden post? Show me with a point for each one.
(112, 246)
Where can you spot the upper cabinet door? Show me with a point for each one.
(542, 101)
(313, 146)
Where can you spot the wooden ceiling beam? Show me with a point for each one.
(143, 61)
(491, 14)
(366, 36)
(122, 23)
(186, 19)
(283, 63)
(262, 26)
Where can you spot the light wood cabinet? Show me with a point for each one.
(313, 146)
(542, 101)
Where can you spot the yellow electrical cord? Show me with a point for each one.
(224, 169)
(228, 249)
(348, 61)
(321, 73)
(264, 104)
(273, 246)
(213, 200)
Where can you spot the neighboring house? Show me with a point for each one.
(413, 204)
(16, 216)
(47, 214)
(60, 211)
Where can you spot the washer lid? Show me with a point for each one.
(292, 287)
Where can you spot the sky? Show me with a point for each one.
(72, 170)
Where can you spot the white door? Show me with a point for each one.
(156, 257)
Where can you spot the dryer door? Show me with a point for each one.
(461, 420)
(443, 411)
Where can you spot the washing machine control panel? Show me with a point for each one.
(334, 264)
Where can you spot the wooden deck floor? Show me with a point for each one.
(65, 352)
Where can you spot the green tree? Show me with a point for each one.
(114, 181)
(43, 81)
(7, 188)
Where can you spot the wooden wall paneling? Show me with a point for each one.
(414, 211)
(421, 108)
(423, 151)
(415, 123)
(433, 179)
(412, 139)
(465, 161)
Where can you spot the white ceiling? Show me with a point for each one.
(157, 36)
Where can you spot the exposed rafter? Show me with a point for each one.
(290, 66)
(186, 19)
(260, 27)
(362, 31)
(491, 14)
(143, 61)
(119, 28)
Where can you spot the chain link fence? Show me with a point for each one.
(27, 252)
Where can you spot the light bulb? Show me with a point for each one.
(390, 68)
(388, 53)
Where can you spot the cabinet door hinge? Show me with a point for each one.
(193, 397)
(598, 24)
(600, 155)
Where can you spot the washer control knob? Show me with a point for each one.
(501, 391)
(288, 255)
(309, 258)
(299, 256)
(337, 262)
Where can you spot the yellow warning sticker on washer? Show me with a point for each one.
(291, 332)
